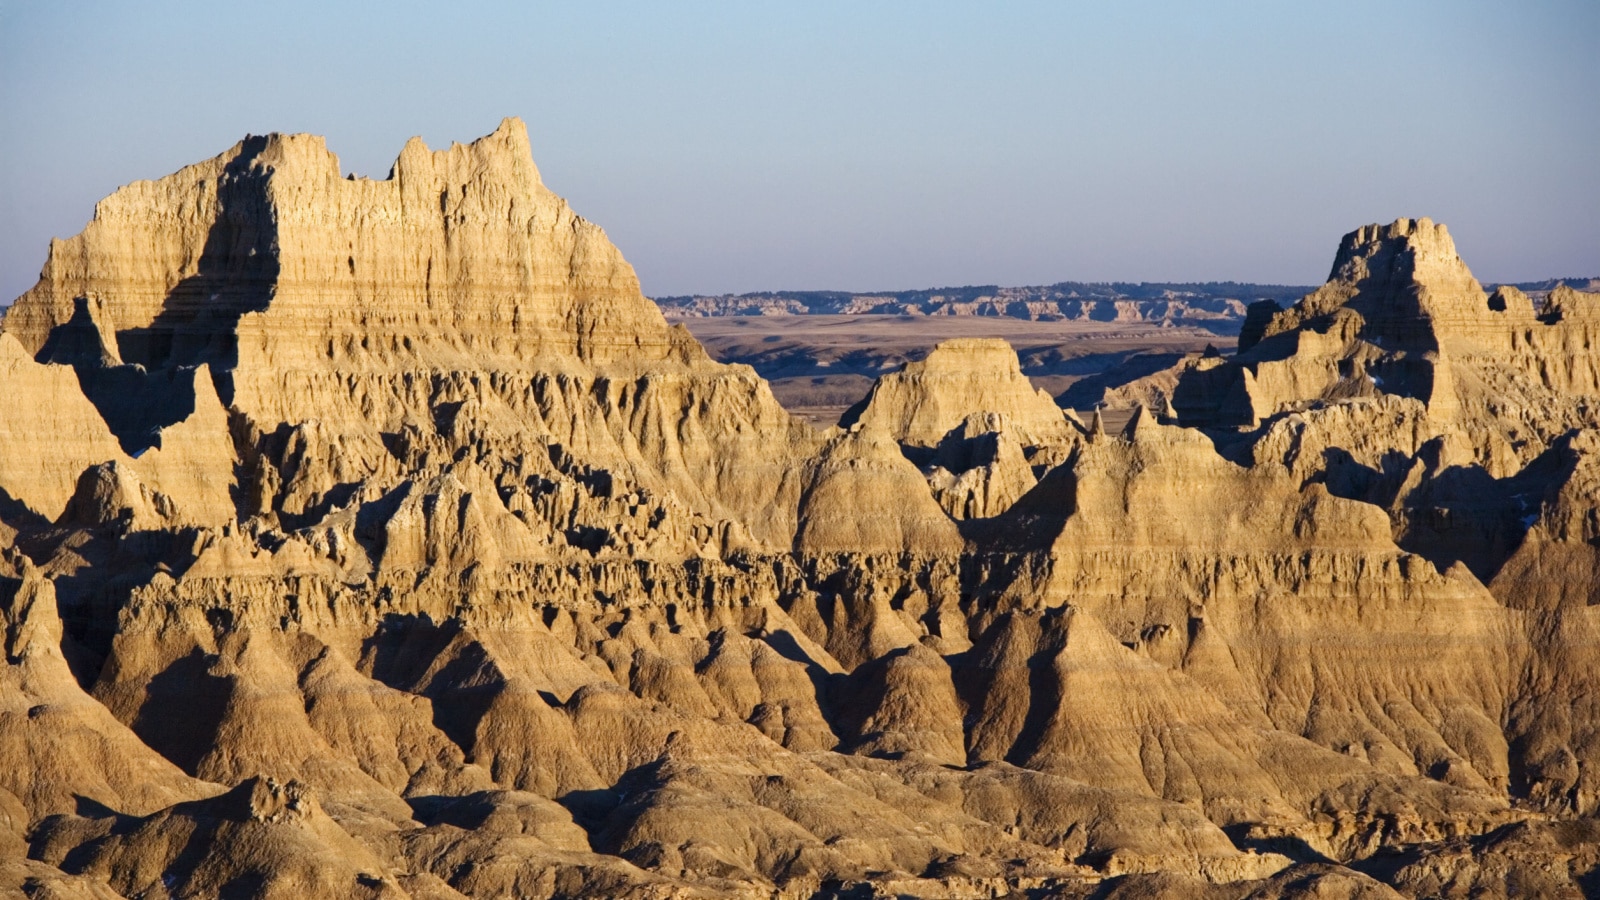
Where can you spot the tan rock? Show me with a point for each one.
(404, 550)
(49, 432)
(863, 496)
(62, 748)
(927, 400)
(903, 704)
(980, 469)
(193, 464)
(272, 834)
(315, 297)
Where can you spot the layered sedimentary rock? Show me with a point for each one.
(1401, 315)
(927, 400)
(460, 283)
(377, 538)
(981, 467)
(974, 423)
(864, 496)
(1244, 582)
(50, 432)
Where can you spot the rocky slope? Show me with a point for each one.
(378, 538)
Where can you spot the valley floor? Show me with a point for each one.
(820, 365)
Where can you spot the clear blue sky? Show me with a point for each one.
(867, 145)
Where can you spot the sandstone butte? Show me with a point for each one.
(380, 539)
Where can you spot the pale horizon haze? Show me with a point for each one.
(867, 146)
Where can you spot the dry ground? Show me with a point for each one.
(820, 365)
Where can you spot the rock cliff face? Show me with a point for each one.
(377, 538)
(1401, 315)
(460, 287)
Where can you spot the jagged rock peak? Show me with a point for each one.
(507, 145)
(1422, 235)
(401, 550)
(1564, 303)
(459, 290)
(1404, 279)
(1416, 252)
(265, 254)
(1401, 314)
(1419, 248)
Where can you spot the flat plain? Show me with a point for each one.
(820, 365)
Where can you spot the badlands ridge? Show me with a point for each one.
(380, 539)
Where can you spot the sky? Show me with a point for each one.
(731, 147)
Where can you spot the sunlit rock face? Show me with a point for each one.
(379, 539)
(459, 287)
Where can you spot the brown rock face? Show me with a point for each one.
(378, 539)
(981, 469)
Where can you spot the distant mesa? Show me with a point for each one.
(1213, 306)
(1219, 307)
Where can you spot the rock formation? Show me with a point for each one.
(927, 400)
(970, 417)
(379, 539)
